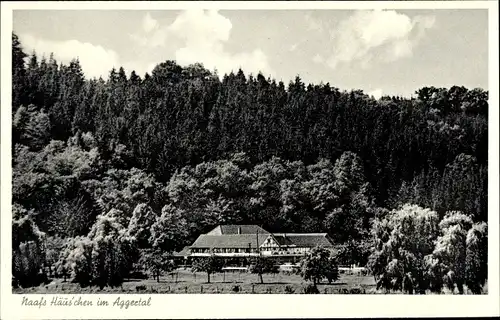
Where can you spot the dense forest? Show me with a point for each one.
(148, 163)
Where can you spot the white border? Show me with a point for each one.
(256, 306)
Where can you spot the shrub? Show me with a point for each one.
(289, 290)
(355, 291)
(236, 289)
(311, 289)
(140, 288)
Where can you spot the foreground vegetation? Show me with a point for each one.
(230, 283)
(112, 176)
(185, 281)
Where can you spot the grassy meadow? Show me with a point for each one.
(184, 281)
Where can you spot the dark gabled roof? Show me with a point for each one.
(233, 229)
(303, 239)
(228, 241)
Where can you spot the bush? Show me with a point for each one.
(289, 290)
(355, 291)
(311, 289)
(140, 288)
(236, 289)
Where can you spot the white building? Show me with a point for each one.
(245, 241)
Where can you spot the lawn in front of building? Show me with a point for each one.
(185, 281)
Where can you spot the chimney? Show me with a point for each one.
(239, 230)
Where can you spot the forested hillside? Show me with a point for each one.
(158, 160)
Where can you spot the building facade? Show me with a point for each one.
(247, 241)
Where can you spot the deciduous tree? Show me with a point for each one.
(209, 265)
(261, 265)
(317, 265)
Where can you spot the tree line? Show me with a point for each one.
(143, 165)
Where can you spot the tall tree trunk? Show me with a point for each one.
(208, 277)
(261, 279)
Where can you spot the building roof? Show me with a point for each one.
(303, 239)
(228, 241)
(234, 228)
(184, 252)
(240, 236)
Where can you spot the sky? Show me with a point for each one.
(383, 52)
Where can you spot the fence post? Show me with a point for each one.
(253, 291)
(186, 289)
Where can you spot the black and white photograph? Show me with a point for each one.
(223, 151)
